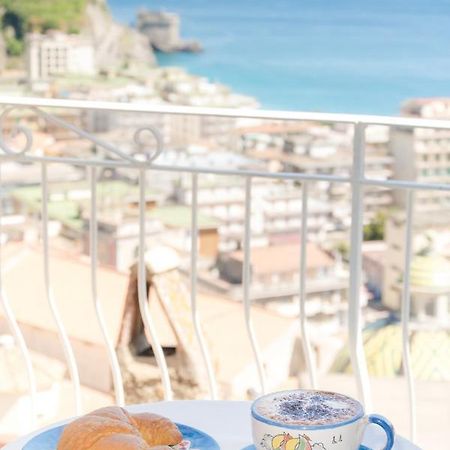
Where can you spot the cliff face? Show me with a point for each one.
(117, 47)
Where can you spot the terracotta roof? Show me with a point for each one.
(226, 333)
(23, 282)
(284, 258)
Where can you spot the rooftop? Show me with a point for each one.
(285, 258)
(74, 299)
(67, 198)
(179, 216)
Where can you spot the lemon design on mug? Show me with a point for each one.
(288, 442)
(279, 440)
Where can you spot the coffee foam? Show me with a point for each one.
(308, 408)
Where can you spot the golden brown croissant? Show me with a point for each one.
(113, 428)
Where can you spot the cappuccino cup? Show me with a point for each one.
(312, 420)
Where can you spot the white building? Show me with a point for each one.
(276, 209)
(430, 266)
(423, 155)
(324, 151)
(178, 87)
(56, 54)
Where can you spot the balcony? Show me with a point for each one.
(121, 280)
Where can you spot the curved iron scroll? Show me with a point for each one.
(138, 138)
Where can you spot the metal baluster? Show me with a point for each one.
(67, 348)
(355, 323)
(195, 314)
(15, 329)
(246, 280)
(142, 294)
(306, 344)
(93, 232)
(406, 308)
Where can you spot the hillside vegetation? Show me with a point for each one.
(21, 16)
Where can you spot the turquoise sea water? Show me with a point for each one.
(363, 56)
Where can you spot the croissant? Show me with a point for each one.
(113, 428)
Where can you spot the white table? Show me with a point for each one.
(228, 422)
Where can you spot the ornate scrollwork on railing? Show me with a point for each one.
(141, 144)
(15, 131)
(139, 140)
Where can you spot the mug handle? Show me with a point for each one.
(387, 426)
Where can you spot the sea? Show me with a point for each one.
(353, 56)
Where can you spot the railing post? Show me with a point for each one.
(406, 308)
(195, 315)
(15, 329)
(93, 239)
(63, 336)
(246, 281)
(306, 344)
(143, 297)
(355, 322)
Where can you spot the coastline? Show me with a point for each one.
(297, 58)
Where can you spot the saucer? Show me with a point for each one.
(196, 439)
(252, 447)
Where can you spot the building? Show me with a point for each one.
(119, 127)
(69, 202)
(118, 234)
(57, 54)
(423, 155)
(177, 221)
(430, 265)
(276, 209)
(323, 150)
(275, 275)
(169, 306)
(176, 86)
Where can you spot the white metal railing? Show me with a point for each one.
(357, 181)
(68, 351)
(93, 250)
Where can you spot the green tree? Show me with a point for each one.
(15, 22)
(343, 248)
(21, 16)
(374, 231)
(50, 24)
(14, 47)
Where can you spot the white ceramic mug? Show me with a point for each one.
(273, 434)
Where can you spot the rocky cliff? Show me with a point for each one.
(118, 47)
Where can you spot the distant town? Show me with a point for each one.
(112, 62)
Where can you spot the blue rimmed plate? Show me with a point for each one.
(252, 447)
(193, 439)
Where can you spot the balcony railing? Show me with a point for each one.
(117, 158)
